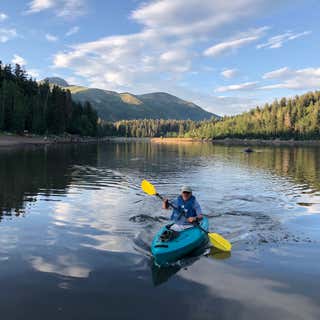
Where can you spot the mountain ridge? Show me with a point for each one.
(114, 106)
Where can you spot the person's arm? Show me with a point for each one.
(165, 203)
(198, 210)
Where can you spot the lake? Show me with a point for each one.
(75, 232)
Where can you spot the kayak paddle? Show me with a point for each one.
(216, 240)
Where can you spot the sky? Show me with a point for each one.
(226, 56)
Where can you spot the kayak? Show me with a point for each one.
(187, 240)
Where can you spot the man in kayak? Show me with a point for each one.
(187, 210)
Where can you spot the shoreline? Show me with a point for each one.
(240, 142)
(178, 140)
(13, 140)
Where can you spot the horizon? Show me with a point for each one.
(225, 57)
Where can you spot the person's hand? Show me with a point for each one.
(165, 204)
(192, 219)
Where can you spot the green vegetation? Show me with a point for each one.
(297, 118)
(294, 118)
(114, 106)
(28, 106)
(148, 128)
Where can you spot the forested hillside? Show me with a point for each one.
(297, 118)
(114, 106)
(26, 105)
(148, 128)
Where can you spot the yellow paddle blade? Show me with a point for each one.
(219, 242)
(148, 188)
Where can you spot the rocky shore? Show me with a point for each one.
(11, 140)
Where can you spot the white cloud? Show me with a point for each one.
(7, 34)
(301, 79)
(176, 60)
(238, 87)
(34, 73)
(164, 48)
(40, 5)
(51, 37)
(234, 105)
(62, 8)
(279, 73)
(72, 31)
(130, 59)
(236, 42)
(3, 16)
(173, 56)
(229, 73)
(189, 17)
(71, 8)
(279, 40)
(18, 60)
(221, 105)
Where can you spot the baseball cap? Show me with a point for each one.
(186, 189)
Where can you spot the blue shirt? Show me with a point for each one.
(196, 206)
(182, 220)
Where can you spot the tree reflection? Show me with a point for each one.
(27, 172)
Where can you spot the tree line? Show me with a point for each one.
(148, 128)
(26, 105)
(297, 118)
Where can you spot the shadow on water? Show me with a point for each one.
(161, 275)
(118, 287)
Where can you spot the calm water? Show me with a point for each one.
(75, 232)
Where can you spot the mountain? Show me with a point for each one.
(57, 81)
(113, 106)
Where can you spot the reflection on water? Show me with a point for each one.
(161, 275)
(76, 213)
(217, 254)
(26, 174)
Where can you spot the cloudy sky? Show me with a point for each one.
(227, 56)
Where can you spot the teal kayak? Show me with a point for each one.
(187, 240)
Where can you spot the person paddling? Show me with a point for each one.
(188, 210)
